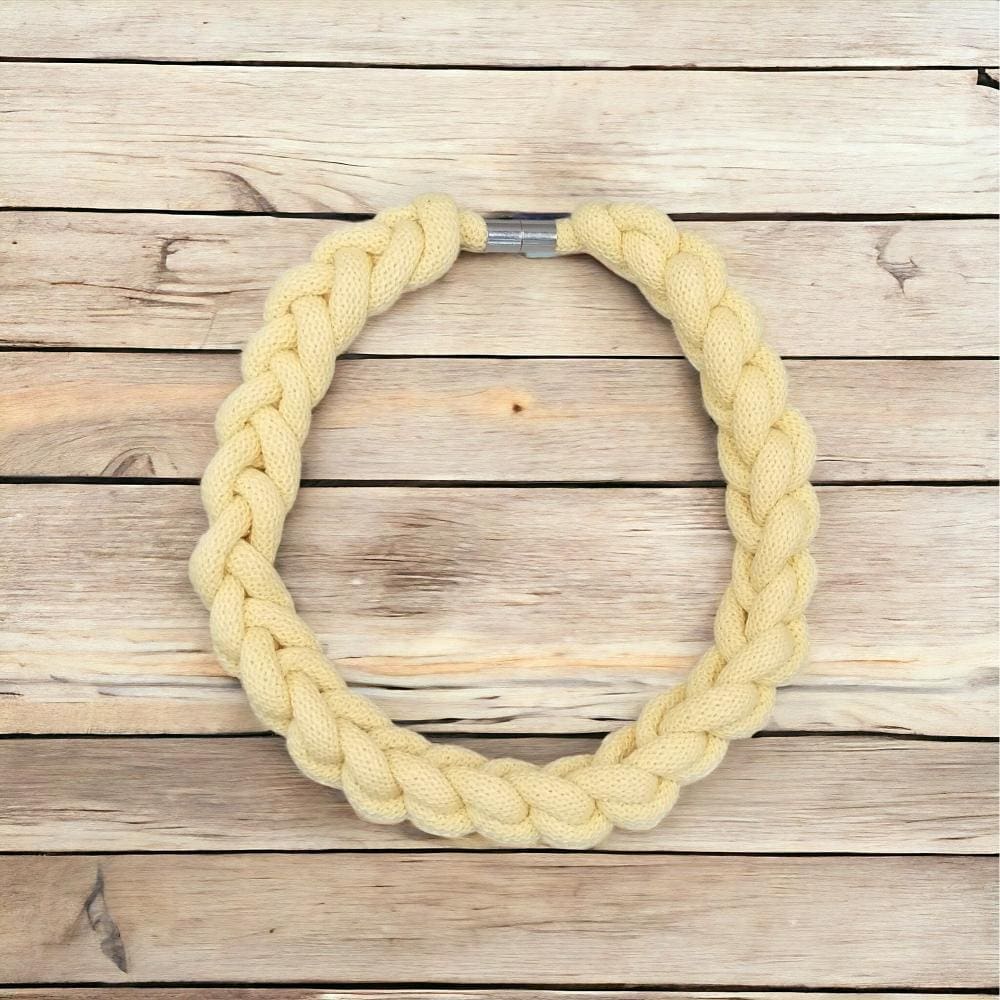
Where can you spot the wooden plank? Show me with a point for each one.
(190, 281)
(500, 918)
(774, 794)
(525, 420)
(498, 32)
(117, 136)
(466, 610)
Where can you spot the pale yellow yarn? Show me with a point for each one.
(341, 739)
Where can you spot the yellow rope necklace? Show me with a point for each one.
(341, 739)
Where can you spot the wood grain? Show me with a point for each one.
(517, 610)
(191, 281)
(772, 794)
(524, 420)
(511, 33)
(853, 193)
(310, 139)
(508, 918)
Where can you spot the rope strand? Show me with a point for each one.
(341, 739)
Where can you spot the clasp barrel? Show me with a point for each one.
(530, 237)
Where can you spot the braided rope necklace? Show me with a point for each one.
(341, 739)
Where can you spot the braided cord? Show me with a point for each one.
(340, 738)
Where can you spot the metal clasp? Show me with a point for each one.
(531, 237)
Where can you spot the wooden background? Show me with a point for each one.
(512, 529)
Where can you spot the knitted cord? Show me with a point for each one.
(341, 739)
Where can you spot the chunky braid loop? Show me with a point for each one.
(341, 739)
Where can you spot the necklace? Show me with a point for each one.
(341, 739)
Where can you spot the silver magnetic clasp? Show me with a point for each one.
(531, 237)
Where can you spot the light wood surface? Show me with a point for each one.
(510, 32)
(512, 918)
(496, 610)
(512, 533)
(826, 288)
(128, 415)
(933, 797)
(314, 139)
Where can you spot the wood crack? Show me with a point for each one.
(902, 271)
(95, 909)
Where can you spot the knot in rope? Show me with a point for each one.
(340, 738)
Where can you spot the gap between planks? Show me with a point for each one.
(411, 991)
